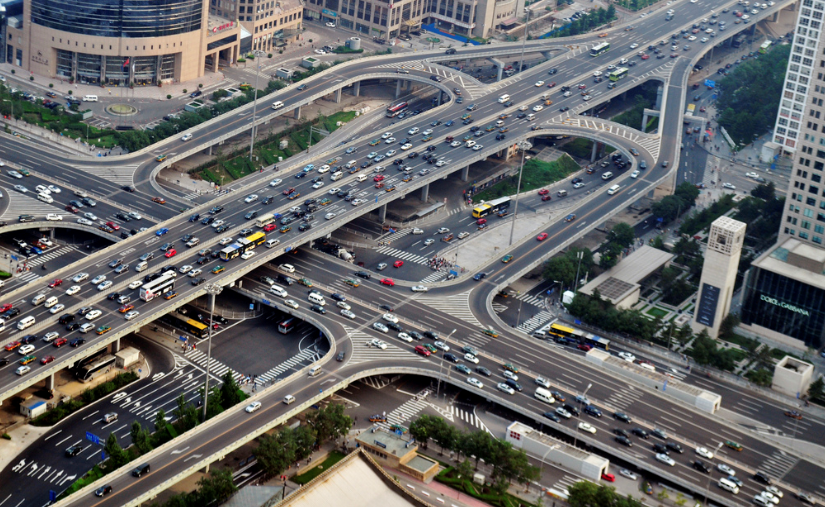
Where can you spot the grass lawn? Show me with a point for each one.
(537, 174)
(332, 458)
(657, 312)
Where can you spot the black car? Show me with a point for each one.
(570, 408)
(484, 371)
(640, 433)
(77, 342)
(304, 227)
(622, 417)
(123, 216)
(660, 448)
(103, 490)
(202, 260)
(341, 356)
(591, 410)
(113, 296)
(198, 281)
(673, 446)
(656, 432)
(621, 432)
(318, 308)
(366, 276)
(251, 215)
(701, 466)
(512, 383)
(11, 312)
(432, 335)
(451, 357)
(4, 361)
(624, 440)
(195, 217)
(29, 338)
(763, 478)
(73, 326)
(196, 93)
(395, 327)
(268, 199)
(499, 137)
(552, 416)
(416, 335)
(208, 220)
(74, 450)
(412, 155)
(521, 115)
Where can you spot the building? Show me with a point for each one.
(621, 284)
(386, 20)
(128, 42)
(792, 377)
(271, 23)
(718, 274)
(398, 452)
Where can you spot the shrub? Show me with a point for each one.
(6, 436)
(269, 55)
(51, 85)
(200, 85)
(185, 90)
(168, 95)
(5, 274)
(31, 78)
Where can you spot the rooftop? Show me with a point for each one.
(795, 260)
(391, 443)
(622, 279)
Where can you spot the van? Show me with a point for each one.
(36, 300)
(504, 98)
(647, 366)
(317, 299)
(562, 193)
(141, 470)
(85, 328)
(25, 322)
(351, 164)
(289, 399)
(361, 177)
(51, 302)
(272, 242)
(531, 117)
(142, 265)
(278, 291)
(90, 98)
(606, 176)
(337, 175)
(500, 123)
(612, 190)
(110, 417)
(728, 486)
(277, 104)
(45, 198)
(544, 395)
(314, 371)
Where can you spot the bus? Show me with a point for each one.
(395, 110)
(560, 331)
(600, 49)
(493, 206)
(596, 342)
(159, 286)
(617, 74)
(267, 219)
(287, 326)
(242, 245)
(184, 323)
(88, 360)
(764, 47)
(95, 368)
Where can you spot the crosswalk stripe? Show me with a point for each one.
(457, 305)
(402, 254)
(361, 352)
(434, 277)
(536, 321)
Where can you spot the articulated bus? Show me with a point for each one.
(242, 245)
(617, 74)
(158, 286)
(288, 325)
(600, 49)
(184, 323)
(579, 336)
(494, 206)
(267, 219)
(395, 110)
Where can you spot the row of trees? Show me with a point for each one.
(671, 206)
(215, 488)
(508, 463)
(278, 451)
(620, 238)
(595, 18)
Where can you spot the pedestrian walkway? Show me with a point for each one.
(403, 255)
(49, 255)
(457, 305)
(296, 362)
(363, 352)
(621, 399)
(536, 321)
(407, 411)
(27, 276)
(23, 204)
(122, 175)
(216, 367)
(778, 464)
(469, 417)
(536, 300)
(436, 276)
(393, 236)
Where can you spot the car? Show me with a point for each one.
(793, 414)
(501, 386)
(587, 427)
(725, 469)
(563, 413)
(398, 264)
(640, 432)
(704, 452)
(507, 258)
(656, 432)
(56, 282)
(419, 288)
(806, 498)
(628, 474)
(461, 368)
(74, 450)
(103, 490)
(664, 458)
(381, 327)
(570, 217)
(728, 186)
(763, 478)
(609, 477)
(701, 466)
(475, 382)
(252, 407)
(592, 410)
(627, 356)
(733, 445)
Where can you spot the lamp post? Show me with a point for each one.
(441, 367)
(213, 289)
(523, 146)
(518, 314)
(584, 395)
(580, 256)
(258, 55)
(524, 41)
(707, 490)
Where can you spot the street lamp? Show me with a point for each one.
(258, 56)
(707, 491)
(584, 395)
(523, 146)
(441, 367)
(524, 42)
(213, 289)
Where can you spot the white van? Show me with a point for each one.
(317, 299)
(351, 164)
(544, 395)
(728, 485)
(45, 198)
(337, 175)
(36, 300)
(142, 265)
(612, 190)
(531, 117)
(314, 371)
(90, 98)
(361, 177)
(606, 176)
(272, 242)
(278, 291)
(51, 302)
(277, 104)
(504, 98)
(25, 322)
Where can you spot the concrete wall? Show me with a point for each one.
(792, 376)
(550, 450)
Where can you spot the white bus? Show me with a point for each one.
(265, 219)
(158, 286)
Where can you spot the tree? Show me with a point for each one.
(330, 422)
(610, 255)
(160, 419)
(766, 192)
(687, 192)
(117, 455)
(728, 324)
(215, 488)
(230, 391)
(140, 437)
(817, 389)
(623, 234)
(422, 429)
(465, 469)
(560, 268)
(445, 435)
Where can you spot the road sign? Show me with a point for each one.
(182, 338)
(266, 302)
(92, 438)
(52, 496)
(710, 82)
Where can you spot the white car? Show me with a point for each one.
(539, 84)
(22, 370)
(477, 147)
(634, 45)
(390, 318)
(389, 140)
(317, 185)
(54, 217)
(57, 308)
(195, 272)
(83, 221)
(348, 314)
(563, 413)
(251, 198)
(624, 472)
(692, 38)
(587, 427)
(25, 349)
(334, 190)
(538, 108)
(222, 242)
(41, 189)
(98, 279)
(704, 452)
(386, 135)
(704, 40)
(247, 255)
(441, 163)
(412, 131)
(405, 337)
(15, 174)
(505, 388)
(255, 405)
(292, 304)
(664, 458)
(770, 497)
(543, 382)
(470, 143)
(90, 216)
(455, 144)
(378, 343)
(54, 189)
(725, 469)
(729, 186)
(470, 358)
(406, 146)
(135, 284)
(627, 356)
(751, 175)
(597, 73)
(105, 285)
(441, 345)
(428, 242)
(381, 327)
(186, 137)
(131, 315)
(289, 268)
(510, 375)
(217, 223)
(634, 174)
(275, 182)
(21, 189)
(92, 315)
(330, 24)
(135, 215)
(774, 491)
(390, 153)
(320, 52)
(74, 289)
(475, 382)
(344, 305)
(185, 269)
(427, 132)
(80, 277)
(330, 216)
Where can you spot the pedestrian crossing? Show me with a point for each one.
(407, 411)
(457, 305)
(120, 174)
(27, 277)
(565, 482)
(49, 255)
(536, 321)
(499, 308)
(22, 204)
(216, 367)
(468, 417)
(296, 362)
(621, 399)
(363, 352)
(436, 276)
(536, 300)
(393, 236)
(778, 464)
(403, 255)
(412, 65)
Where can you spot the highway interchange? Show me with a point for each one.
(804, 476)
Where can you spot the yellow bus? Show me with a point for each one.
(562, 331)
(257, 238)
(494, 206)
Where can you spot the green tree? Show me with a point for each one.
(140, 437)
(465, 469)
(117, 455)
(230, 391)
(217, 487)
(560, 268)
(816, 391)
(622, 234)
(422, 429)
(160, 420)
(330, 422)
(766, 192)
(610, 255)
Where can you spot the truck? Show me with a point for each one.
(690, 110)
(343, 254)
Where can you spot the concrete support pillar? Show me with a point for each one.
(208, 151)
(465, 173)
(382, 214)
(297, 113)
(51, 234)
(116, 346)
(645, 118)
(547, 54)
(338, 95)
(594, 153)
(425, 192)
(397, 88)
(659, 92)
(440, 95)
(624, 96)
(409, 85)
(500, 73)
(356, 89)
(49, 382)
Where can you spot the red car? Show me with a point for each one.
(397, 264)
(71, 208)
(542, 236)
(582, 86)
(551, 85)
(55, 283)
(609, 477)
(546, 197)
(159, 200)
(388, 281)
(6, 307)
(289, 191)
(12, 345)
(60, 342)
(645, 56)
(544, 191)
(171, 253)
(113, 225)
(270, 227)
(380, 184)
(47, 360)
(702, 109)
(584, 347)
(378, 178)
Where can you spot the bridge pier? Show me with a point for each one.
(659, 92)
(382, 214)
(208, 151)
(425, 192)
(116, 346)
(297, 114)
(409, 85)
(594, 152)
(50, 382)
(440, 97)
(397, 88)
(499, 67)
(465, 173)
(356, 89)
(338, 95)
(547, 54)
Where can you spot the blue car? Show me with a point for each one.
(309, 167)
(36, 250)
(449, 123)
(351, 150)
(162, 231)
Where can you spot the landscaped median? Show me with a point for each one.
(537, 174)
